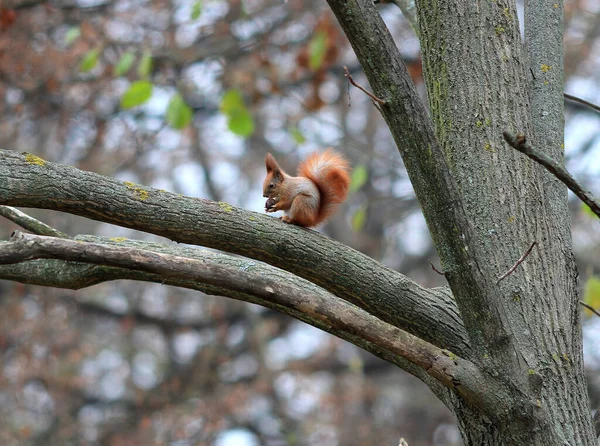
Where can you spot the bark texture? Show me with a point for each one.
(28, 181)
(478, 86)
(494, 205)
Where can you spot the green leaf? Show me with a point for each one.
(231, 100)
(89, 61)
(240, 119)
(179, 114)
(72, 34)
(591, 294)
(359, 178)
(241, 122)
(587, 210)
(297, 135)
(124, 64)
(196, 10)
(138, 93)
(145, 65)
(316, 50)
(358, 219)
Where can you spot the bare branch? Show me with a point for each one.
(339, 317)
(75, 276)
(589, 307)
(341, 270)
(517, 263)
(582, 101)
(353, 82)
(520, 143)
(29, 223)
(435, 269)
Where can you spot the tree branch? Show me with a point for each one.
(517, 263)
(520, 143)
(75, 275)
(341, 318)
(28, 181)
(29, 223)
(582, 101)
(589, 307)
(353, 82)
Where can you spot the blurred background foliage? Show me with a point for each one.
(188, 96)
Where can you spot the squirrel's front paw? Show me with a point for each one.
(270, 205)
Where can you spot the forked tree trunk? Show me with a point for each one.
(524, 330)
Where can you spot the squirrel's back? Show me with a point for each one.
(330, 171)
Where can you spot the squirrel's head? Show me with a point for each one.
(275, 176)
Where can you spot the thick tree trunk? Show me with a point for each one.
(478, 84)
(485, 204)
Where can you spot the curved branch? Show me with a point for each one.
(341, 318)
(28, 181)
(589, 104)
(76, 275)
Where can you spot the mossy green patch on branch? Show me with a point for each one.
(140, 193)
(499, 29)
(118, 239)
(545, 68)
(225, 206)
(32, 159)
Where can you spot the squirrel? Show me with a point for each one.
(312, 196)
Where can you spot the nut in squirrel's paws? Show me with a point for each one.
(269, 204)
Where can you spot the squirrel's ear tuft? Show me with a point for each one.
(271, 164)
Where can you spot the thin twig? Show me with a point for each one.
(435, 269)
(353, 82)
(583, 101)
(29, 223)
(517, 263)
(520, 143)
(589, 307)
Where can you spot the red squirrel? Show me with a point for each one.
(311, 197)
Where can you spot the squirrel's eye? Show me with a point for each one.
(271, 186)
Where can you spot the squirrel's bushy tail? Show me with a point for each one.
(330, 171)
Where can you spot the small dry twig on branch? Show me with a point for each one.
(353, 82)
(589, 307)
(29, 223)
(435, 269)
(583, 101)
(520, 143)
(517, 263)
